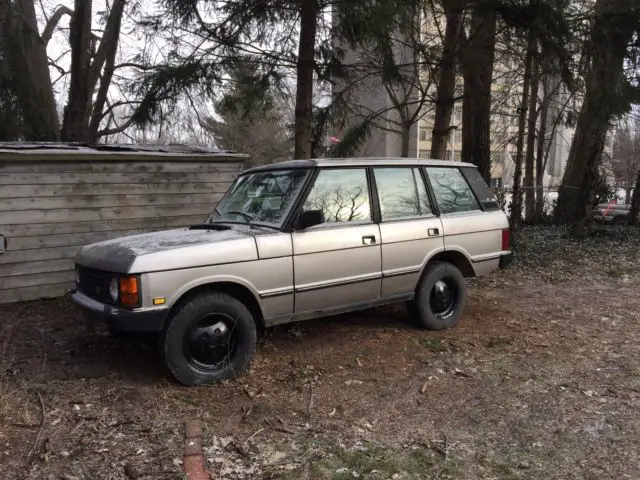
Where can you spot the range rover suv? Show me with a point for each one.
(294, 241)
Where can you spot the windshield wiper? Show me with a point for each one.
(209, 226)
(247, 217)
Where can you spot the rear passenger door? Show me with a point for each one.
(471, 219)
(409, 229)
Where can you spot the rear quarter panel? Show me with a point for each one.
(477, 235)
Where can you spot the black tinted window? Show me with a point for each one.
(402, 193)
(342, 194)
(479, 187)
(452, 191)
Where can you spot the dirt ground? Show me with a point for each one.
(541, 379)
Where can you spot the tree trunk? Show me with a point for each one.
(516, 195)
(406, 138)
(304, 86)
(477, 63)
(540, 153)
(106, 55)
(78, 108)
(27, 59)
(446, 82)
(604, 99)
(531, 144)
(635, 201)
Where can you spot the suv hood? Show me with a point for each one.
(168, 250)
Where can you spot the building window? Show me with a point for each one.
(423, 135)
(496, 183)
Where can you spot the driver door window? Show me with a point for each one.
(342, 195)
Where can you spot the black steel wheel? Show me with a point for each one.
(211, 337)
(211, 342)
(440, 297)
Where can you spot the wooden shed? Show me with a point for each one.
(55, 198)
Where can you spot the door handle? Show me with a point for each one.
(369, 240)
(433, 232)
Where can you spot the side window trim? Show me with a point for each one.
(297, 207)
(430, 192)
(374, 199)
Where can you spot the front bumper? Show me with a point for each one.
(120, 319)
(506, 260)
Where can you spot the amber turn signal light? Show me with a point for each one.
(129, 291)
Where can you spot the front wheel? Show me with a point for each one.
(440, 298)
(209, 338)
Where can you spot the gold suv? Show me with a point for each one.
(294, 241)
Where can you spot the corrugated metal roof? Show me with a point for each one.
(117, 149)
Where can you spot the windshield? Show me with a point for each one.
(261, 198)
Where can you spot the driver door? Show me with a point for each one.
(337, 264)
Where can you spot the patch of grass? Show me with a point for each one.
(616, 271)
(377, 463)
(434, 344)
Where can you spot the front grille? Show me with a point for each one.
(95, 284)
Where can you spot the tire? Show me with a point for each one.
(210, 338)
(431, 314)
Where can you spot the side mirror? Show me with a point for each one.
(3, 244)
(309, 218)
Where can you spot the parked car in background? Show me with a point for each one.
(294, 241)
(613, 213)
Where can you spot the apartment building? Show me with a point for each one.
(385, 139)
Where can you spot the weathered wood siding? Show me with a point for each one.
(50, 208)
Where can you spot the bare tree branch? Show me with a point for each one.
(53, 22)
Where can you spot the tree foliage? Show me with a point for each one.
(254, 117)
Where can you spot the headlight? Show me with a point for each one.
(113, 289)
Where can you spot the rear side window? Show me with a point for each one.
(479, 187)
(451, 190)
(402, 193)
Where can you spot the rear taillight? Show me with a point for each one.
(506, 239)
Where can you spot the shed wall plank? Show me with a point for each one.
(26, 294)
(21, 191)
(55, 253)
(118, 166)
(42, 266)
(110, 177)
(98, 214)
(19, 281)
(93, 201)
(29, 230)
(72, 239)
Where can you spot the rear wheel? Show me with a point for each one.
(209, 338)
(440, 297)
